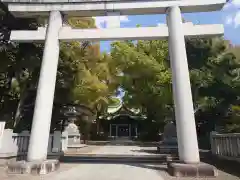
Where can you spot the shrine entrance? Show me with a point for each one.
(56, 30)
(124, 123)
(123, 130)
(120, 130)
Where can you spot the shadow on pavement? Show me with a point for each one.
(163, 167)
(153, 163)
(97, 143)
(122, 143)
(149, 151)
(114, 159)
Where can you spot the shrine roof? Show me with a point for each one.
(122, 109)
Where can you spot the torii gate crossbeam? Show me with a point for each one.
(67, 34)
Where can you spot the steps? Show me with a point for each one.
(129, 142)
(114, 159)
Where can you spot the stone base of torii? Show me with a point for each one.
(175, 31)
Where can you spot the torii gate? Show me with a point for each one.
(174, 31)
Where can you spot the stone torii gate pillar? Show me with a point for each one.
(184, 112)
(38, 145)
(188, 150)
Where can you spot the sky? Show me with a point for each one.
(229, 16)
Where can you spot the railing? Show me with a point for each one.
(226, 145)
(17, 144)
(21, 142)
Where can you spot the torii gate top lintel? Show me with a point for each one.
(29, 8)
(102, 7)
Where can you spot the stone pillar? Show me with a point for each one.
(9, 147)
(2, 126)
(57, 137)
(184, 112)
(64, 141)
(129, 131)
(136, 131)
(38, 144)
(110, 130)
(116, 131)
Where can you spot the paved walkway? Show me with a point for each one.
(124, 150)
(111, 171)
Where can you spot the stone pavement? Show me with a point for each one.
(124, 150)
(98, 171)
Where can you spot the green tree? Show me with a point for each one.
(84, 71)
(18, 64)
(233, 120)
(85, 75)
(214, 77)
(146, 79)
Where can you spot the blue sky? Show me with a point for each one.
(229, 16)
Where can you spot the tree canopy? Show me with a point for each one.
(83, 76)
(214, 73)
(141, 68)
(146, 77)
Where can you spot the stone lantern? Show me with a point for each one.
(72, 112)
(71, 129)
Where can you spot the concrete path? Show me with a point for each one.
(124, 150)
(76, 171)
(110, 171)
(107, 172)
